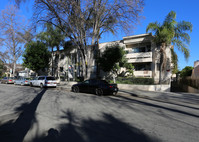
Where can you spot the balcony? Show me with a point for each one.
(139, 57)
(146, 73)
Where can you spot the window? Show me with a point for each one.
(50, 78)
(148, 48)
(41, 78)
(86, 82)
(138, 49)
(61, 69)
(142, 67)
(141, 49)
(93, 82)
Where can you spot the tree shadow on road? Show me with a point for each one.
(164, 98)
(151, 104)
(108, 129)
(16, 130)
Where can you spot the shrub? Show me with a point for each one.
(135, 80)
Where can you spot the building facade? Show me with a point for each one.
(195, 71)
(144, 55)
(141, 52)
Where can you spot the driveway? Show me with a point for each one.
(34, 115)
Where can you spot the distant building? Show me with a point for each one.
(9, 69)
(195, 71)
(26, 73)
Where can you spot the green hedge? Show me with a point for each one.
(135, 80)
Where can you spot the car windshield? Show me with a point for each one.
(50, 78)
(11, 77)
(104, 81)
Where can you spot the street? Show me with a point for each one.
(31, 114)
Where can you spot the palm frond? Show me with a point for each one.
(185, 26)
(153, 27)
(170, 18)
(174, 60)
(182, 47)
(182, 36)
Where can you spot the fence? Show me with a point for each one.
(188, 84)
(190, 81)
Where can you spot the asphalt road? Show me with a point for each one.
(49, 115)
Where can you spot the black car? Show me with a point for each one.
(99, 87)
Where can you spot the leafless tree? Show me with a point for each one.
(85, 21)
(10, 25)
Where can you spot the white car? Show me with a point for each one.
(44, 81)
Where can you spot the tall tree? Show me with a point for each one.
(1, 67)
(170, 32)
(53, 37)
(186, 71)
(113, 59)
(84, 22)
(10, 25)
(36, 56)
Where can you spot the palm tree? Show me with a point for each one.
(53, 38)
(170, 32)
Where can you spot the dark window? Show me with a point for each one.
(103, 82)
(148, 48)
(61, 69)
(50, 78)
(62, 56)
(141, 49)
(41, 78)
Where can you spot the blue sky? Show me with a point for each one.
(154, 10)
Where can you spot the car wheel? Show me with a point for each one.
(41, 85)
(99, 92)
(114, 93)
(76, 89)
(31, 85)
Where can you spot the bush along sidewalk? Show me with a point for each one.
(134, 80)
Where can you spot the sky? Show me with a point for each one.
(154, 10)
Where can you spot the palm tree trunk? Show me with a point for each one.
(162, 61)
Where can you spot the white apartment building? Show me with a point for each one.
(142, 53)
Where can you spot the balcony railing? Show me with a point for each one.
(143, 73)
(139, 57)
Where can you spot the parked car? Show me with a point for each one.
(7, 80)
(22, 81)
(44, 81)
(98, 87)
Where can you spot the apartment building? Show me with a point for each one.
(142, 53)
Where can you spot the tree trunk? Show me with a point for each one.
(162, 62)
(14, 66)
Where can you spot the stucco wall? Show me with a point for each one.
(162, 88)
